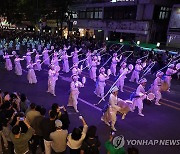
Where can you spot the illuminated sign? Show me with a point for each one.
(113, 1)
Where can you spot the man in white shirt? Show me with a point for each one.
(58, 138)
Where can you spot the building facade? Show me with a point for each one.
(143, 20)
(173, 35)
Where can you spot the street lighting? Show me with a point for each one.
(158, 44)
(138, 42)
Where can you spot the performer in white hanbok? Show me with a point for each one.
(53, 77)
(46, 58)
(55, 60)
(140, 96)
(37, 61)
(8, 64)
(74, 92)
(65, 62)
(125, 71)
(135, 75)
(18, 68)
(75, 58)
(156, 87)
(169, 72)
(114, 62)
(88, 58)
(93, 68)
(31, 73)
(100, 85)
(76, 70)
(110, 115)
(28, 57)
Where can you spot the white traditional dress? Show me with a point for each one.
(93, 70)
(75, 58)
(73, 98)
(169, 73)
(138, 99)
(53, 77)
(18, 68)
(38, 62)
(110, 114)
(114, 62)
(135, 75)
(8, 64)
(65, 63)
(46, 58)
(100, 85)
(31, 74)
(120, 82)
(156, 89)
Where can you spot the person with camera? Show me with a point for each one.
(75, 139)
(20, 140)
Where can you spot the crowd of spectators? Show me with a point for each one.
(27, 128)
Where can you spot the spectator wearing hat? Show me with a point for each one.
(58, 138)
(140, 96)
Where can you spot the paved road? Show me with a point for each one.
(160, 122)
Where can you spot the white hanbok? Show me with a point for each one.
(18, 67)
(120, 82)
(99, 91)
(88, 59)
(73, 98)
(93, 70)
(136, 73)
(75, 58)
(168, 75)
(156, 89)
(31, 74)
(114, 62)
(53, 77)
(140, 96)
(8, 64)
(65, 63)
(46, 58)
(110, 114)
(38, 62)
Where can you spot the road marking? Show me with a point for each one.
(85, 102)
(177, 108)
